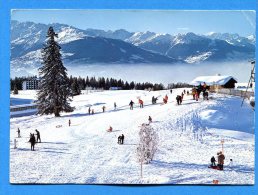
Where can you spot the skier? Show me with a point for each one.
(154, 100)
(122, 138)
(103, 108)
(150, 119)
(205, 95)
(92, 111)
(199, 89)
(194, 93)
(213, 161)
(19, 132)
(69, 122)
(89, 110)
(114, 105)
(119, 139)
(187, 92)
(221, 158)
(141, 103)
(32, 141)
(182, 95)
(179, 99)
(38, 135)
(171, 91)
(184, 91)
(204, 86)
(165, 99)
(131, 105)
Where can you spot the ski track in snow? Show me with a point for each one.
(189, 135)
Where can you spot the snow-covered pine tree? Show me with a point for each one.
(54, 92)
(75, 87)
(148, 144)
(15, 89)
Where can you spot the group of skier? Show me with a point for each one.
(34, 140)
(221, 158)
(196, 91)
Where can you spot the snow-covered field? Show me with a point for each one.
(189, 135)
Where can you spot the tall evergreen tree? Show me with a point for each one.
(54, 93)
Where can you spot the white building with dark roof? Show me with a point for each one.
(218, 81)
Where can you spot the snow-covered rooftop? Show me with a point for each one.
(212, 80)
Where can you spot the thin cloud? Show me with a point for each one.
(183, 28)
(249, 20)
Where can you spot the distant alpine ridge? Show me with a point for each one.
(123, 47)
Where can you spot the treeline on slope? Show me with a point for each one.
(77, 84)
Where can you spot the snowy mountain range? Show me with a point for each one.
(121, 46)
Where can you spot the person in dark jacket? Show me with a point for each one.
(179, 99)
(119, 139)
(150, 119)
(38, 136)
(213, 161)
(89, 111)
(69, 122)
(122, 138)
(32, 142)
(19, 132)
(131, 104)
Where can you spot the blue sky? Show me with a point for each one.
(159, 21)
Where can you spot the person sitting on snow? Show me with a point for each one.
(110, 129)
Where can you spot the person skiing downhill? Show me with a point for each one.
(131, 104)
(38, 136)
(89, 111)
(114, 105)
(69, 122)
(19, 132)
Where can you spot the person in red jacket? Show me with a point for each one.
(141, 103)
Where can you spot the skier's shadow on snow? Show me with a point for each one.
(53, 143)
(116, 130)
(23, 149)
(189, 103)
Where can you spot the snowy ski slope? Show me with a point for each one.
(85, 153)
